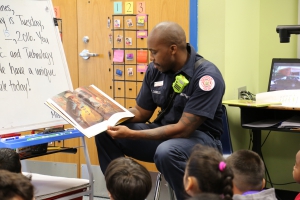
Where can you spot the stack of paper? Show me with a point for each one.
(46, 186)
(266, 123)
(293, 122)
(288, 98)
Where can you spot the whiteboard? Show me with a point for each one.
(33, 66)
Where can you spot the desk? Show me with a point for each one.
(40, 139)
(274, 112)
(252, 114)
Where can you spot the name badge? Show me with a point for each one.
(158, 83)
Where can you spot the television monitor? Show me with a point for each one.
(284, 74)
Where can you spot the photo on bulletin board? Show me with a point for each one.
(119, 38)
(128, 41)
(129, 22)
(117, 23)
(129, 56)
(141, 19)
(130, 71)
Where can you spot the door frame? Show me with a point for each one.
(194, 23)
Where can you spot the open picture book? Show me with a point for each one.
(88, 109)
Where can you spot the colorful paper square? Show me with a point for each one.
(142, 56)
(141, 34)
(141, 68)
(118, 56)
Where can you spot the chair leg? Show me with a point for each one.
(157, 186)
(171, 193)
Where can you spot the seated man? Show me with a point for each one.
(249, 172)
(15, 186)
(191, 109)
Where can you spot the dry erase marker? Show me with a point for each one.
(10, 138)
(7, 139)
(14, 138)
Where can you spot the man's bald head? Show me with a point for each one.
(169, 33)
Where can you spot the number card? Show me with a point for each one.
(140, 7)
(129, 7)
(118, 7)
(57, 11)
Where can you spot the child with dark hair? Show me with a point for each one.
(10, 160)
(206, 171)
(296, 172)
(15, 186)
(127, 180)
(206, 196)
(249, 172)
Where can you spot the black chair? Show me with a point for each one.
(227, 151)
(225, 137)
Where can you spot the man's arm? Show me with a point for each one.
(140, 114)
(187, 124)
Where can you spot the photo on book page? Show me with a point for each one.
(88, 109)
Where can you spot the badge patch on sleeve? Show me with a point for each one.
(206, 83)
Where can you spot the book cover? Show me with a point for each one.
(88, 109)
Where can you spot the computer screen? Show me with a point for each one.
(284, 74)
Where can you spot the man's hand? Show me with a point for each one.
(117, 132)
(187, 124)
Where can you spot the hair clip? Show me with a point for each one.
(222, 166)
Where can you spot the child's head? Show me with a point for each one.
(296, 170)
(248, 169)
(15, 186)
(10, 160)
(206, 171)
(127, 180)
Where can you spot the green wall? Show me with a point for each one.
(240, 37)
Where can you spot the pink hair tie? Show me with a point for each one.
(222, 166)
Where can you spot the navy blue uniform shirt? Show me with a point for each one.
(202, 96)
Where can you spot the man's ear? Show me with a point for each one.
(173, 48)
